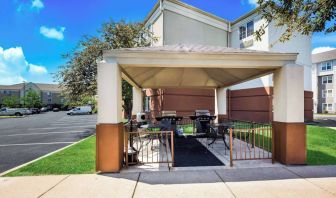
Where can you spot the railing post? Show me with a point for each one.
(172, 146)
(231, 148)
(273, 144)
(126, 148)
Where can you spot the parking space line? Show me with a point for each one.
(32, 144)
(73, 123)
(46, 133)
(48, 128)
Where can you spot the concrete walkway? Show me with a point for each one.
(297, 181)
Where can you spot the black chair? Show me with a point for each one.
(204, 130)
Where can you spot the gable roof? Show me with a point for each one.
(191, 66)
(41, 86)
(185, 5)
(12, 87)
(48, 87)
(324, 56)
(196, 49)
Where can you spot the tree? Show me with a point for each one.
(302, 16)
(32, 99)
(10, 101)
(78, 75)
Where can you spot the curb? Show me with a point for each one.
(39, 158)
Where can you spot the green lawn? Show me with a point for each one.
(80, 158)
(321, 145)
(77, 159)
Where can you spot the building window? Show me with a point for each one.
(147, 103)
(327, 93)
(246, 30)
(250, 28)
(242, 32)
(326, 66)
(48, 93)
(327, 79)
(327, 107)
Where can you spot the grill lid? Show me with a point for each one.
(202, 112)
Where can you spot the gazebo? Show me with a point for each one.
(199, 66)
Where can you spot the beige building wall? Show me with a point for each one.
(269, 42)
(182, 29)
(157, 29)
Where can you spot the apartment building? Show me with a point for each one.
(175, 22)
(50, 93)
(323, 70)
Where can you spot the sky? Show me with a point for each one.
(34, 34)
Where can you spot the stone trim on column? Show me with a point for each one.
(290, 142)
(109, 147)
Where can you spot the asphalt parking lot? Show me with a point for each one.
(25, 139)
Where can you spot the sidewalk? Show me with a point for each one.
(297, 181)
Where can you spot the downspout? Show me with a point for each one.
(228, 35)
(163, 21)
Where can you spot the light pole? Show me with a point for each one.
(24, 93)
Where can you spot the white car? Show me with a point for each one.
(80, 110)
(14, 111)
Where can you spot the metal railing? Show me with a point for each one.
(144, 147)
(250, 141)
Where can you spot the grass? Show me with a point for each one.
(321, 146)
(10, 117)
(77, 159)
(80, 158)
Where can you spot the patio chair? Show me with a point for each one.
(204, 130)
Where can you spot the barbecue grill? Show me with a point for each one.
(202, 118)
(168, 120)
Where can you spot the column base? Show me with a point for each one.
(289, 142)
(222, 117)
(109, 147)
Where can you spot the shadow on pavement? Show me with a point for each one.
(229, 175)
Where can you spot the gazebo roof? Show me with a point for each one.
(198, 66)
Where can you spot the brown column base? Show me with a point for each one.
(289, 142)
(222, 118)
(109, 147)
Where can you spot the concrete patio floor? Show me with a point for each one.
(218, 149)
(289, 181)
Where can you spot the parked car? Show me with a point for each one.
(35, 110)
(55, 109)
(27, 111)
(80, 110)
(13, 111)
(44, 109)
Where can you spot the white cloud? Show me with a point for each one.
(253, 2)
(38, 4)
(36, 69)
(13, 65)
(322, 49)
(250, 2)
(52, 33)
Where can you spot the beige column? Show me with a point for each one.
(221, 103)
(109, 132)
(137, 101)
(289, 129)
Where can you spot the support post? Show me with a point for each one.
(221, 104)
(288, 105)
(137, 101)
(109, 131)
